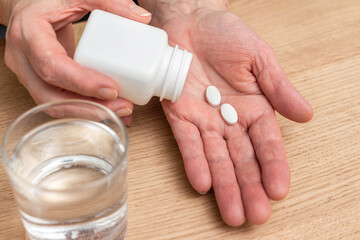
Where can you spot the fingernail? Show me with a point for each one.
(203, 193)
(108, 93)
(123, 112)
(139, 11)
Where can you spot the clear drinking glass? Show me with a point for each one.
(67, 162)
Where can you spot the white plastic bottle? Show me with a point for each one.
(136, 55)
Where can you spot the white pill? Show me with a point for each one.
(213, 96)
(229, 114)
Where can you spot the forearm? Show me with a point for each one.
(172, 8)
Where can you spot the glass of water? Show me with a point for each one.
(67, 163)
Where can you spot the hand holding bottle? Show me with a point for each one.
(40, 45)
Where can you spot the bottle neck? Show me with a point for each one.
(175, 69)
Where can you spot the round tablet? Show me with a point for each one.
(213, 96)
(229, 114)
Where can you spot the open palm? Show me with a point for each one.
(245, 164)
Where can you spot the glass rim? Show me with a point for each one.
(40, 108)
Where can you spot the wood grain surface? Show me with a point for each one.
(318, 45)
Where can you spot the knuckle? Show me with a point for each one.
(13, 33)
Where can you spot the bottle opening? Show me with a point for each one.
(176, 75)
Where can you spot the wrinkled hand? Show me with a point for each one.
(245, 164)
(40, 45)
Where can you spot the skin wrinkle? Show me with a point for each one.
(259, 116)
(272, 155)
(211, 127)
(248, 183)
(264, 72)
(276, 88)
(212, 132)
(233, 45)
(174, 114)
(225, 84)
(243, 82)
(205, 62)
(226, 184)
(241, 159)
(273, 87)
(170, 9)
(202, 63)
(190, 138)
(209, 68)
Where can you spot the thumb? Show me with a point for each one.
(124, 8)
(274, 83)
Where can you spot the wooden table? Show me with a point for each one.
(318, 44)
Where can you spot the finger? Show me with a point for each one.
(65, 36)
(125, 8)
(81, 110)
(226, 188)
(269, 148)
(127, 120)
(256, 202)
(87, 111)
(121, 107)
(43, 93)
(191, 147)
(274, 83)
(51, 63)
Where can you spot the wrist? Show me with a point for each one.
(165, 10)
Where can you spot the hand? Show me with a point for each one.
(245, 164)
(40, 46)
